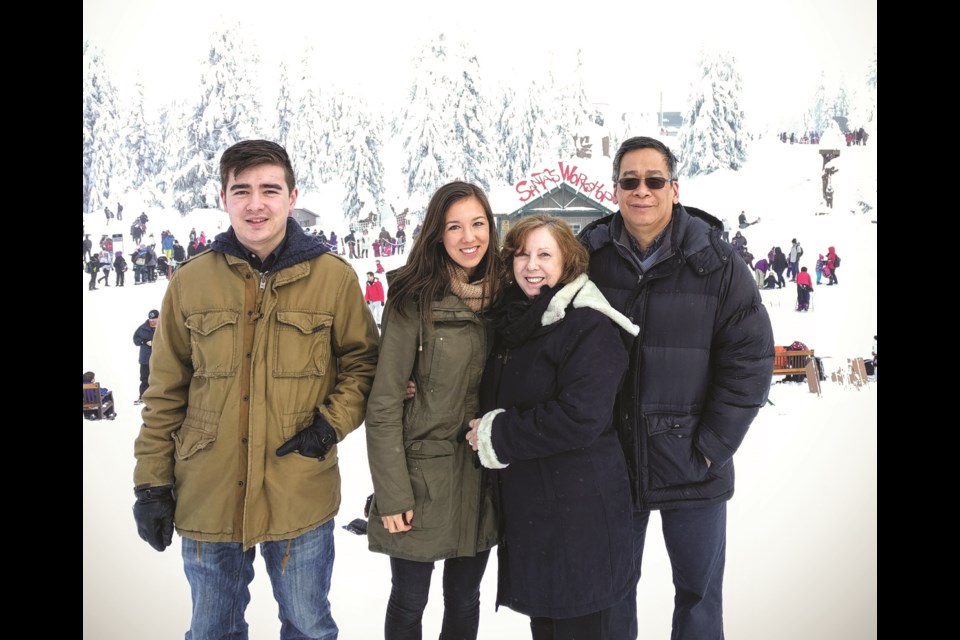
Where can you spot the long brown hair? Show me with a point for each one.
(425, 278)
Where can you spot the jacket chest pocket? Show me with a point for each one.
(303, 344)
(213, 336)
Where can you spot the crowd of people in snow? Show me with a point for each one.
(853, 137)
(773, 270)
(358, 245)
(148, 263)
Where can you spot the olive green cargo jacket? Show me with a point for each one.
(239, 363)
(418, 457)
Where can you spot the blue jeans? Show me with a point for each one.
(696, 541)
(220, 574)
(461, 597)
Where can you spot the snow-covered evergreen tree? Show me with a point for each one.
(427, 128)
(170, 129)
(821, 111)
(712, 136)
(570, 112)
(101, 133)
(308, 142)
(361, 170)
(514, 136)
(140, 144)
(447, 123)
(285, 112)
(841, 102)
(227, 110)
(473, 121)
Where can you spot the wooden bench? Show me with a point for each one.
(786, 363)
(798, 363)
(94, 407)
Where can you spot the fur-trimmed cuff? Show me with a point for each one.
(488, 457)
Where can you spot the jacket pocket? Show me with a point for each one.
(198, 432)
(430, 464)
(303, 344)
(672, 458)
(213, 335)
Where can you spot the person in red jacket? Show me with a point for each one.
(804, 287)
(374, 296)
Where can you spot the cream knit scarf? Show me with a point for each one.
(471, 293)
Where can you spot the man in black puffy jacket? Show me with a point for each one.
(699, 373)
(143, 338)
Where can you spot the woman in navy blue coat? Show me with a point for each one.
(547, 395)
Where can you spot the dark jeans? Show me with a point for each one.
(120, 277)
(593, 626)
(144, 375)
(780, 281)
(833, 276)
(461, 597)
(696, 541)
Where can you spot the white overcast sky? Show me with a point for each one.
(631, 50)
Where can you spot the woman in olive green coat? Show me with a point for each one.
(431, 501)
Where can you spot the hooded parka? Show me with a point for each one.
(240, 361)
(418, 456)
(701, 367)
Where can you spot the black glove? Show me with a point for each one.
(153, 512)
(313, 442)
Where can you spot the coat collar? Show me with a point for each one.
(581, 293)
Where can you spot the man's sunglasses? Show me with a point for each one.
(655, 183)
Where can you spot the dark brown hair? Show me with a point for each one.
(253, 153)
(575, 256)
(424, 278)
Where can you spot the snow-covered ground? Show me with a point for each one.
(802, 527)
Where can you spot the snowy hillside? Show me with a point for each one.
(802, 527)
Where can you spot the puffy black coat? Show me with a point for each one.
(141, 337)
(700, 370)
(564, 496)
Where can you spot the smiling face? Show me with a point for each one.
(259, 202)
(646, 212)
(538, 262)
(466, 233)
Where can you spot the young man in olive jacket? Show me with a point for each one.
(262, 362)
(699, 372)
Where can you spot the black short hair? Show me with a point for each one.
(643, 142)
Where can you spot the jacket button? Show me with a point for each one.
(240, 483)
(249, 312)
(249, 354)
(246, 398)
(244, 440)
(675, 426)
(248, 276)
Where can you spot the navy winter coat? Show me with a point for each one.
(141, 336)
(564, 494)
(701, 367)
